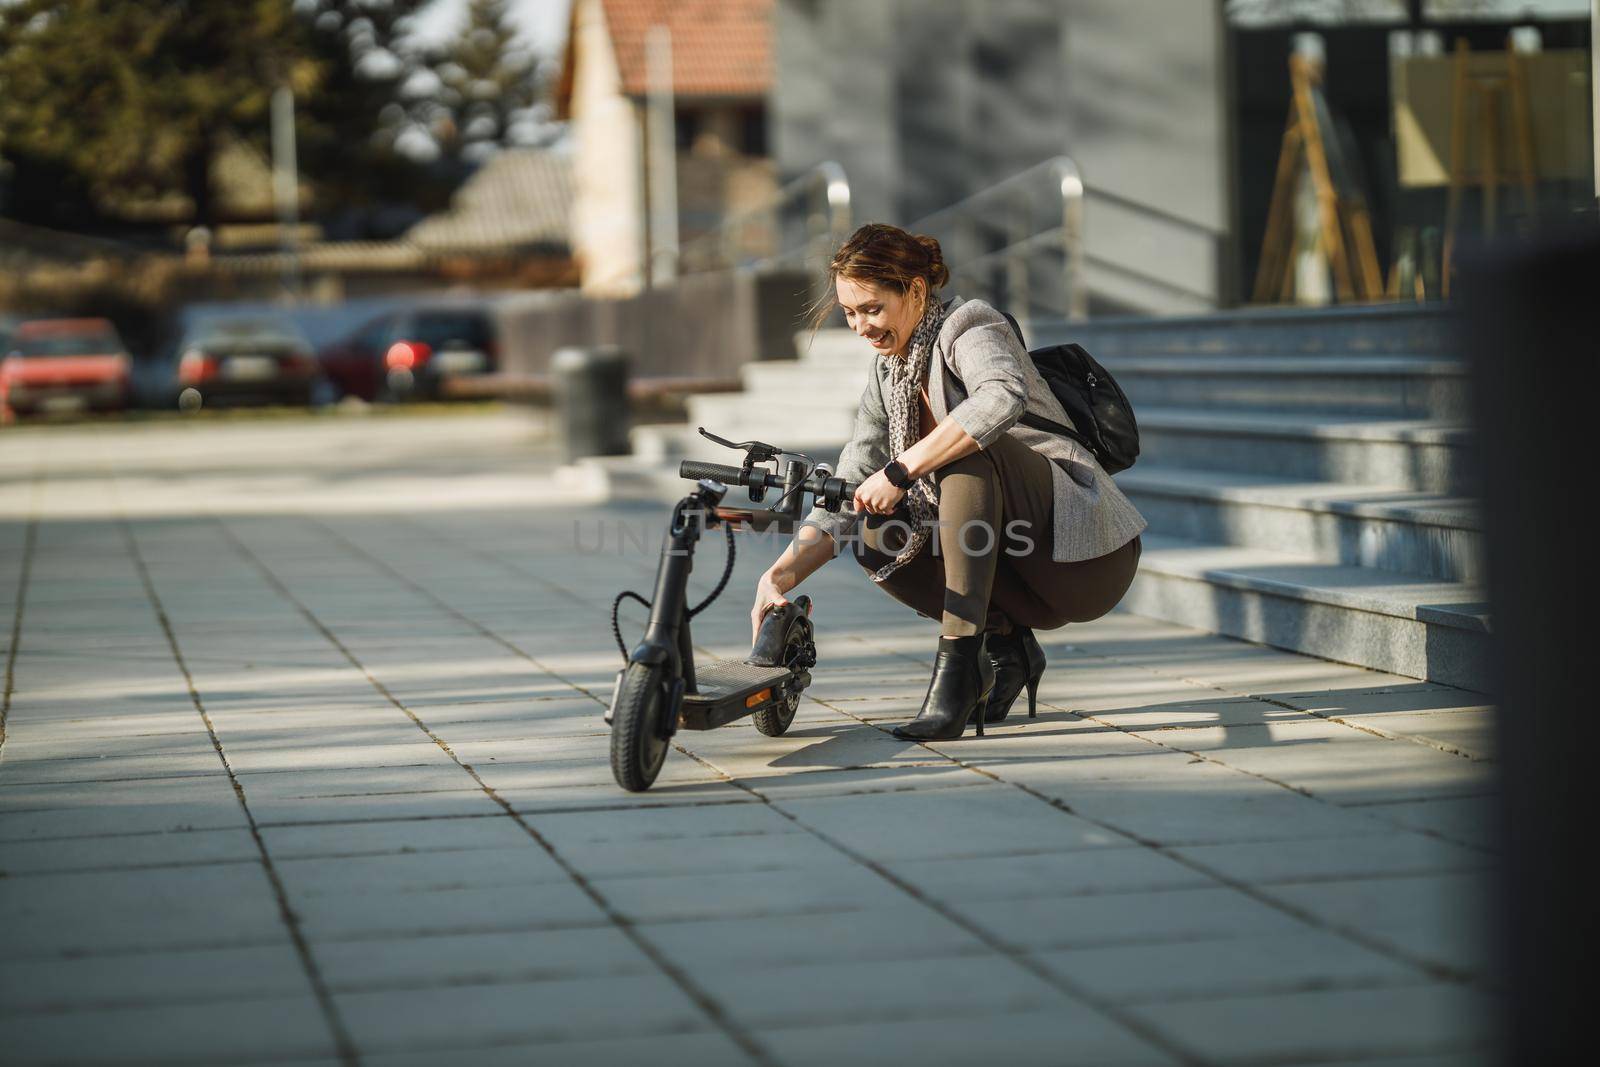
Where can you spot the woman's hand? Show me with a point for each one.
(768, 596)
(877, 495)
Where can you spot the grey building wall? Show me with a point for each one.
(926, 102)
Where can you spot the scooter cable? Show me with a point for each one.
(722, 583)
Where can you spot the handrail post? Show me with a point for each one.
(834, 218)
(1070, 183)
(836, 192)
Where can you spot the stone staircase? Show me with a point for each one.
(1304, 473)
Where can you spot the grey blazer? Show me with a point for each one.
(993, 383)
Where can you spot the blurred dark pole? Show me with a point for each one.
(286, 187)
(1529, 316)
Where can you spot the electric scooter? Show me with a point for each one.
(659, 689)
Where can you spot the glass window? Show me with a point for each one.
(82, 344)
(753, 131)
(440, 328)
(375, 335)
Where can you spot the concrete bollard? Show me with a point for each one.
(591, 392)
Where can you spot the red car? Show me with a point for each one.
(53, 365)
(412, 354)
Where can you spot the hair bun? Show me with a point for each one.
(938, 273)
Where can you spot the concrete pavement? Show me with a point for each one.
(303, 762)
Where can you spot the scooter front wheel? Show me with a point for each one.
(638, 747)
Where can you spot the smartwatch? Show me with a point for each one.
(897, 474)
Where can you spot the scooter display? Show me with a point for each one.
(659, 689)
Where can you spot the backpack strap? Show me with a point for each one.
(1038, 422)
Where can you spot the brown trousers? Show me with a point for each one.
(973, 580)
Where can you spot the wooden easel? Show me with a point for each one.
(1346, 227)
(1484, 88)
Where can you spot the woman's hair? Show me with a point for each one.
(885, 256)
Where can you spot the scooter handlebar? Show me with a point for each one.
(695, 470)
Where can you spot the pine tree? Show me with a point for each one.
(488, 79)
(140, 95)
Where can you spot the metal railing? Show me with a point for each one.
(1020, 243)
(801, 225)
(992, 238)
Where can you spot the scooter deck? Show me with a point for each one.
(725, 690)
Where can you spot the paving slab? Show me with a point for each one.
(1278, 1028)
(880, 991)
(217, 1032)
(959, 883)
(138, 910)
(1375, 854)
(600, 860)
(1037, 923)
(420, 872)
(170, 849)
(1337, 762)
(839, 886)
(128, 806)
(840, 937)
(502, 957)
(1054, 1037)
(151, 979)
(1437, 918)
(326, 840)
(778, 784)
(1204, 970)
(444, 1019)
(379, 912)
(194, 759)
(1472, 820)
(707, 1049)
(993, 820)
(692, 789)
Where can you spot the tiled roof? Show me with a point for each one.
(520, 197)
(719, 47)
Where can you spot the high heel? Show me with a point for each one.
(959, 689)
(1018, 663)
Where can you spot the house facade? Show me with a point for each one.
(722, 75)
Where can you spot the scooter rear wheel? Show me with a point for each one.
(638, 748)
(775, 721)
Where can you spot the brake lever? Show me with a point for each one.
(756, 451)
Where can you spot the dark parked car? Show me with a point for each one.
(246, 361)
(56, 365)
(413, 353)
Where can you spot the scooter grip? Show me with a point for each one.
(694, 470)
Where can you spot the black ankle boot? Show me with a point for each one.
(962, 679)
(1018, 661)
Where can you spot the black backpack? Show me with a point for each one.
(1093, 401)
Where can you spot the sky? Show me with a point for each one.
(543, 22)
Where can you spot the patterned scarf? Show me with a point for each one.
(907, 375)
